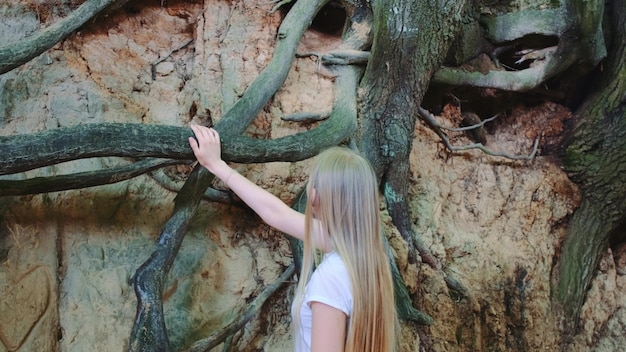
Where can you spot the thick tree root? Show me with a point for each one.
(517, 81)
(149, 332)
(293, 26)
(17, 54)
(83, 179)
(404, 304)
(595, 159)
(30, 151)
(585, 51)
(211, 194)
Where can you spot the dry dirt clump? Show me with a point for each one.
(496, 226)
(513, 132)
(524, 124)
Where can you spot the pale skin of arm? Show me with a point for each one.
(328, 332)
(329, 328)
(206, 147)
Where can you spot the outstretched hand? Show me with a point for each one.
(206, 146)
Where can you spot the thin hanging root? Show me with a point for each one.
(437, 128)
(238, 323)
(279, 4)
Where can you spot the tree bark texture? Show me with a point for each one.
(149, 332)
(79, 180)
(577, 24)
(411, 41)
(31, 151)
(290, 32)
(15, 55)
(406, 52)
(595, 158)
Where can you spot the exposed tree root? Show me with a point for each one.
(586, 49)
(38, 185)
(404, 304)
(238, 323)
(398, 209)
(340, 57)
(30, 151)
(595, 158)
(279, 4)
(17, 54)
(211, 194)
(603, 200)
(437, 128)
(165, 57)
(149, 332)
(396, 70)
(295, 23)
(307, 117)
(519, 81)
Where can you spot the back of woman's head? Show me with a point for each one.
(346, 196)
(346, 205)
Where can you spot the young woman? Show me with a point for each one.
(347, 302)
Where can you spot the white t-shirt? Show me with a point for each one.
(329, 284)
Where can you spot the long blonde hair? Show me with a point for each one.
(347, 208)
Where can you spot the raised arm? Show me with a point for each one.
(206, 147)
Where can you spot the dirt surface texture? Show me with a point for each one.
(67, 258)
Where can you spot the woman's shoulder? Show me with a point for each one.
(330, 284)
(333, 265)
(332, 258)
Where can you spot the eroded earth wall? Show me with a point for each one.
(67, 258)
